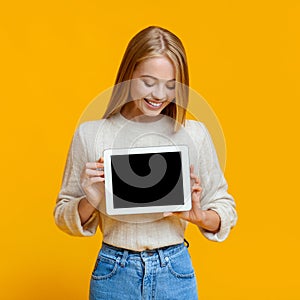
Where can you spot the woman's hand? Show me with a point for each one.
(196, 214)
(206, 219)
(92, 181)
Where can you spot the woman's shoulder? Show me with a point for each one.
(90, 125)
(195, 127)
(89, 129)
(198, 132)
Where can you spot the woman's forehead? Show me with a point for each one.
(159, 67)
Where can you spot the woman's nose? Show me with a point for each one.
(159, 93)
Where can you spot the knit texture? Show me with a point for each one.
(142, 231)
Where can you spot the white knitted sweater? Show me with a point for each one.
(144, 231)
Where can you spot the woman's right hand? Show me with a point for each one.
(92, 181)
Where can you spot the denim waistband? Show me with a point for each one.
(162, 253)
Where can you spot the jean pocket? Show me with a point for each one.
(180, 265)
(105, 267)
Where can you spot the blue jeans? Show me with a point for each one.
(160, 274)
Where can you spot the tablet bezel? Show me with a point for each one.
(185, 168)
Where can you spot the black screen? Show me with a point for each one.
(147, 179)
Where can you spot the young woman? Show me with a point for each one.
(144, 256)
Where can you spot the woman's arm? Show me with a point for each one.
(71, 213)
(85, 210)
(205, 219)
(215, 197)
(213, 208)
(209, 221)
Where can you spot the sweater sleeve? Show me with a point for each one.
(214, 186)
(66, 213)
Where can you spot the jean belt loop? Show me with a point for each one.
(161, 257)
(124, 257)
(187, 243)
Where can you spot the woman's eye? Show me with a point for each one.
(148, 84)
(171, 87)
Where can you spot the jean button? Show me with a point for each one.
(166, 258)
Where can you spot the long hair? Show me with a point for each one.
(151, 42)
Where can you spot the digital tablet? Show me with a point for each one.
(147, 180)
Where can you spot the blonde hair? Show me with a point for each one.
(150, 42)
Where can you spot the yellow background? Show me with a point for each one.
(56, 56)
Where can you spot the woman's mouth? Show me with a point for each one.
(153, 104)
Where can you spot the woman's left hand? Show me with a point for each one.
(196, 215)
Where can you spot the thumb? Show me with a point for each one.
(167, 214)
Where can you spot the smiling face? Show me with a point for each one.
(152, 87)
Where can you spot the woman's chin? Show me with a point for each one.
(151, 113)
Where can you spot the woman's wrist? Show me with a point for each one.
(85, 209)
(210, 221)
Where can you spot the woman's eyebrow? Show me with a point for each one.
(155, 77)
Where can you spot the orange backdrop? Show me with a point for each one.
(244, 60)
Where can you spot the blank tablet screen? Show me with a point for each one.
(147, 179)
